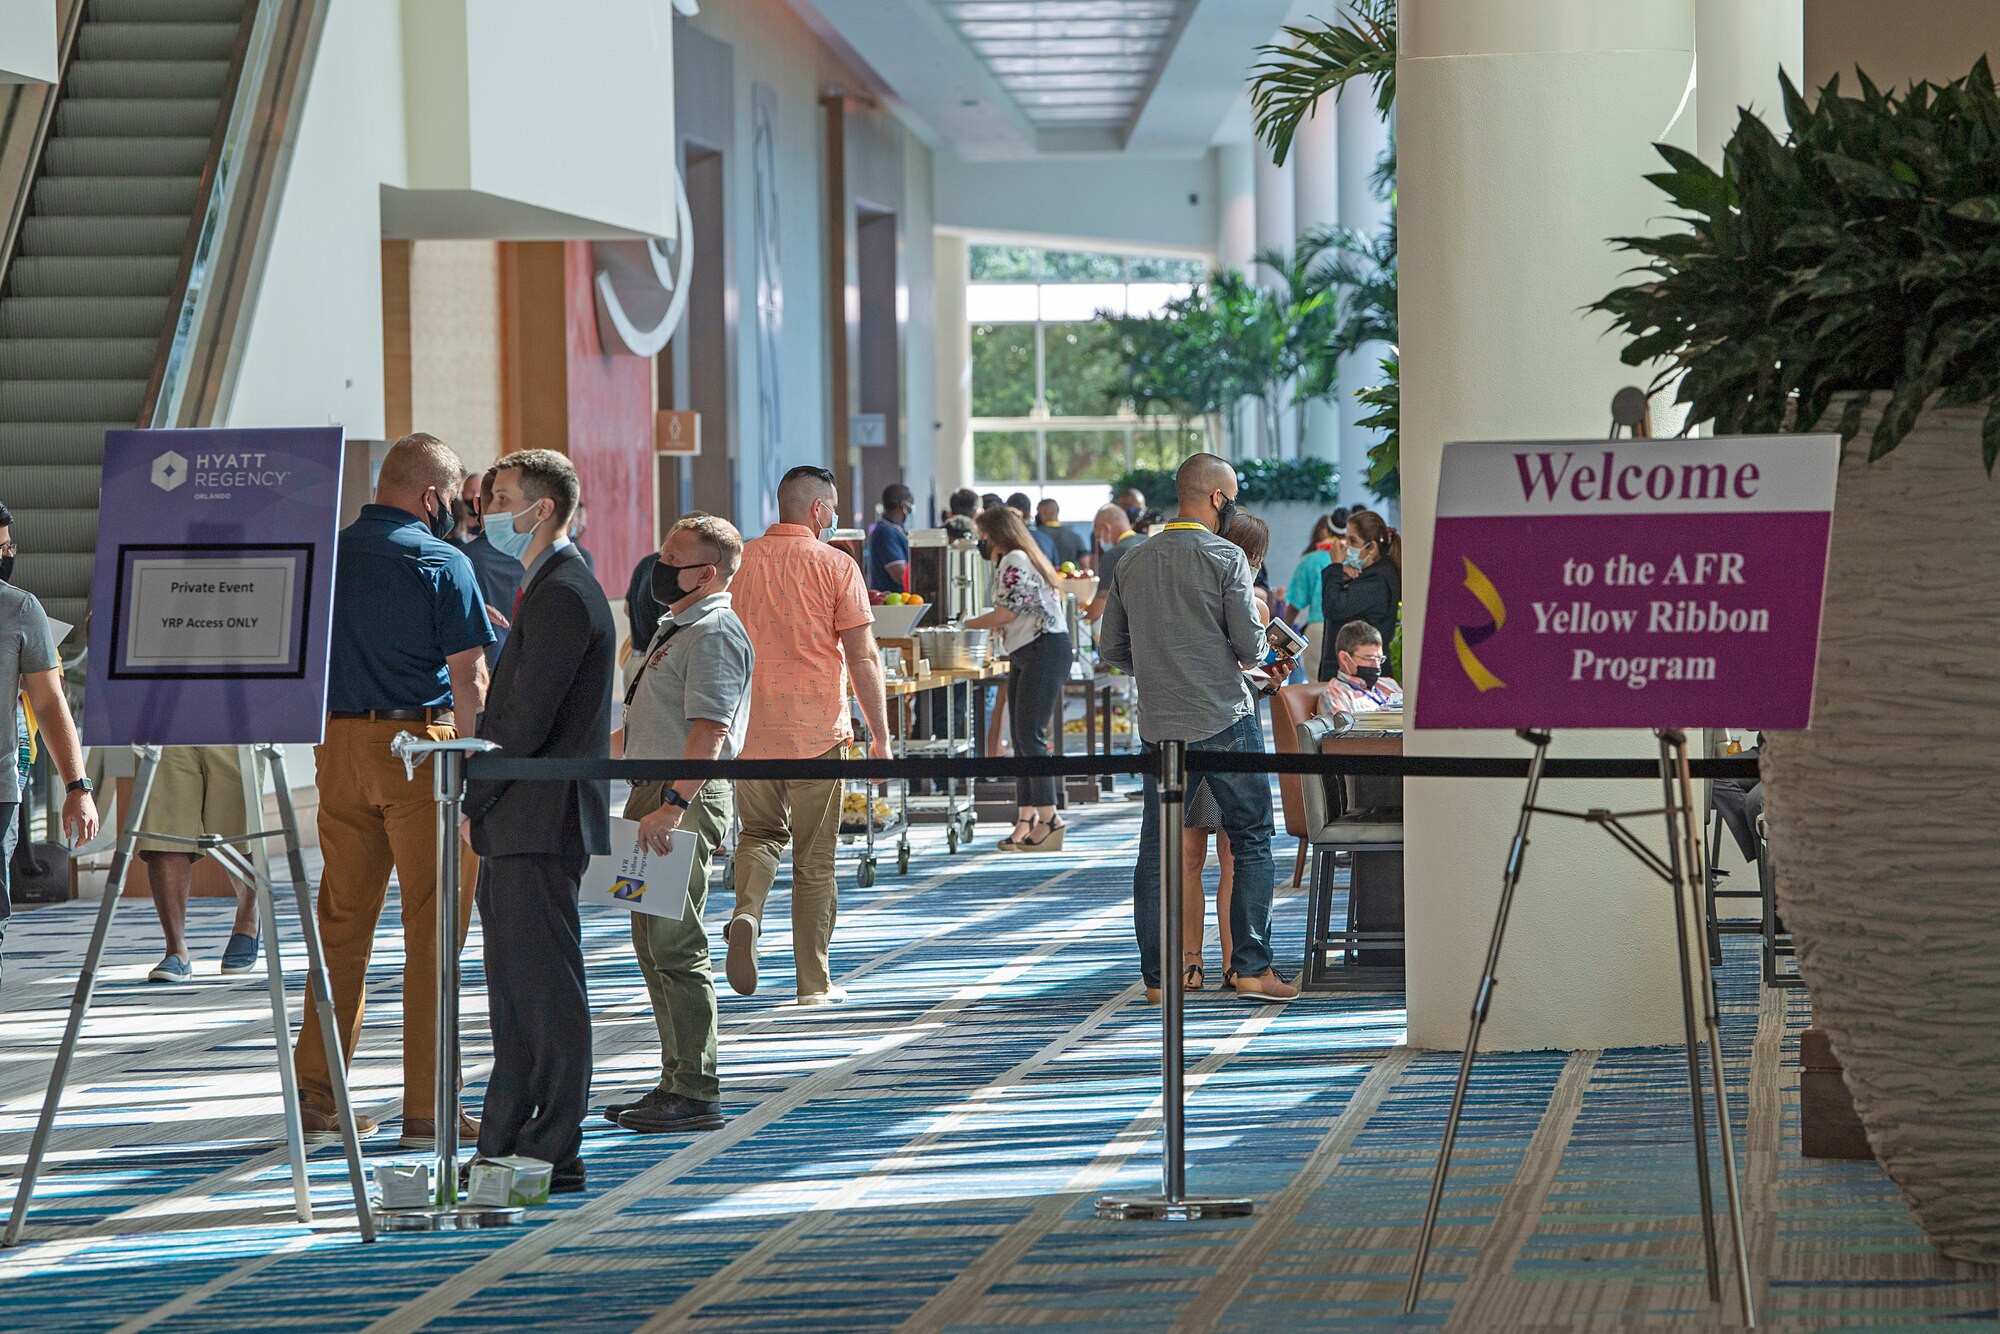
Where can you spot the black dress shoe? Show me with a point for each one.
(566, 1183)
(614, 1110)
(673, 1114)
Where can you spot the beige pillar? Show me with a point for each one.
(1236, 206)
(1364, 136)
(1275, 222)
(954, 365)
(1317, 175)
(1740, 45)
(1524, 130)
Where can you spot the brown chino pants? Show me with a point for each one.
(374, 819)
(805, 814)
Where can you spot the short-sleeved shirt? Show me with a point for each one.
(697, 667)
(888, 544)
(1107, 559)
(26, 646)
(1068, 545)
(403, 601)
(796, 596)
(1303, 590)
(1037, 607)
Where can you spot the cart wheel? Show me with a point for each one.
(951, 839)
(864, 874)
(965, 834)
(903, 860)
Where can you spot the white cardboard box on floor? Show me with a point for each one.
(497, 1183)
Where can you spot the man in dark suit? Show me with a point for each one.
(551, 696)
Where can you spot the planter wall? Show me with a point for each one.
(1883, 821)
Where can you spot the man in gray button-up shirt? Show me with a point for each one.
(1180, 619)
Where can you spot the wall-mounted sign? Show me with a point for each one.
(677, 432)
(1629, 583)
(868, 429)
(213, 594)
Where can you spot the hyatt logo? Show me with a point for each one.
(170, 470)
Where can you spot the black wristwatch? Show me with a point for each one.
(80, 785)
(674, 798)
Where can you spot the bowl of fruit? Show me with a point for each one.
(896, 614)
(1071, 578)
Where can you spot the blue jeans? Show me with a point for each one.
(1245, 803)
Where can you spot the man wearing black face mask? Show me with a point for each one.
(1361, 684)
(689, 699)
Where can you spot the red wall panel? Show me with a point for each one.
(610, 432)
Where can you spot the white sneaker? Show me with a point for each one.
(831, 996)
(740, 967)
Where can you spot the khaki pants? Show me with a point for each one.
(374, 819)
(806, 815)
(673, 951)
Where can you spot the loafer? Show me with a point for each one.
(421, 1132)
(240, 954)
(740, 967)
(172, 969)
(831, 996)
(614, 1110)
(673, 1114)
(1266, 986)
(324, 1127)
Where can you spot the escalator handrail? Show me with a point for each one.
(228, 239)
(27, 115)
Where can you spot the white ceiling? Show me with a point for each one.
(1010, 79)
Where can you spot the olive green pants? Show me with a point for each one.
(673, 951)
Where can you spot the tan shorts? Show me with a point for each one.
(196, 790)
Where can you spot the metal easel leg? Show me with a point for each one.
(322, 993)
(1481, 1001)
(258, 863)
(86, 982)
(1712, 1019)
(1682, 879)
(1173, 1202)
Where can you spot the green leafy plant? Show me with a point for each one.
(1859, 254)
(1385, 476)
(1315, 61)
(1260, 482)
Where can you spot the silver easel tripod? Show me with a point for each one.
(1683, 870)
(244, 857)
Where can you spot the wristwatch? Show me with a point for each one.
(674, 798)
(80, 785)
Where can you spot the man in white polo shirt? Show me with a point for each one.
(689, 699)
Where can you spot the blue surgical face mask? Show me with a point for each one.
(1353, 558)
(511, 541)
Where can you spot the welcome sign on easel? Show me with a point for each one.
(1628, 583)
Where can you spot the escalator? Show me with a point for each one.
(111, 198)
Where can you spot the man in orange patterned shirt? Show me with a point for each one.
(806, 608)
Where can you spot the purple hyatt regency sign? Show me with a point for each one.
(1628, 583)
(213, 594)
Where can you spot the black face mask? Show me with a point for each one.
(463, 514)
(1368, 673)
(6, 569)
(667, 588)
(1224, 514)
(440, 521)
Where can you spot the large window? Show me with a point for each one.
(1045, 407)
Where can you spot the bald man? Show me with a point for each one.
(1113, 530)
(1179, 616)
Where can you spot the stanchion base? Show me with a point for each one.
(465, 1218)
(1158, 1208)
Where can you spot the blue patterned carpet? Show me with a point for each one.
(926, 1155)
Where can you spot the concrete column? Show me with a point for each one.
(1316, 203)
(1236, 206)
(954, 365)
(1740, 45)
(1276, 205)
(1364, 136)
(1524, 129)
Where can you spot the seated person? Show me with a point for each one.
(1358, 685)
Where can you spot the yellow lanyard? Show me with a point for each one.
(1184, 523)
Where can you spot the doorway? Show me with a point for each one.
(879, 355)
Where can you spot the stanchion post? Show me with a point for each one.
(1173, 1202)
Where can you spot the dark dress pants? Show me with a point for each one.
(540, 1087)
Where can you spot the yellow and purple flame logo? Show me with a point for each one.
(1466, 637)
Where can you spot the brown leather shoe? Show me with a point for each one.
(1266, 986)
(323, 1128)
(421, 1132)
(1152, 995)
(740, 967)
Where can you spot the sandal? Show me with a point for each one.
(1051, 841)
(1013, 843)
(1191, 976)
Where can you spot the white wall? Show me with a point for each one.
(28, 41)
(1161, 204)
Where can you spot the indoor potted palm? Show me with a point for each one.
(1847, 277)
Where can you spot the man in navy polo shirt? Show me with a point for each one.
(408, 655)
(889, 543)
